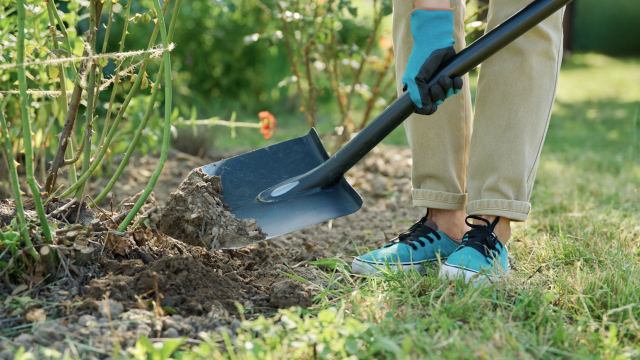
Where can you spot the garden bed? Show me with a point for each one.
(116, 286)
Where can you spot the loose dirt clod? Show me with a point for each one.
(287, 293)
(195, 214)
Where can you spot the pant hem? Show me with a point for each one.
(438, 199)
(511, 209)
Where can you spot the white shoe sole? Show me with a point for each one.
(365, 268)
(449, 272)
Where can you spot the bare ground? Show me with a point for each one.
(116, 287)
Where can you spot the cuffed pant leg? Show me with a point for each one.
(439, 142)
(516, 90)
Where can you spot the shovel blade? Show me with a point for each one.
(245, 176)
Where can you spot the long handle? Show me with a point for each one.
(332, 170)
(459, 65)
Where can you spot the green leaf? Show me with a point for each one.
(327, 316)
(386, 344)
(169, 347)
(330, 263)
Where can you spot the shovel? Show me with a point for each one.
(295, 184)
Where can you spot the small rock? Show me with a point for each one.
(25, 340)
(36, 315)
(48, 333)
(143, 330)
(86, 320)
(110, 308)
(135, 316)
(171, 333)
(168, 323)
(8, 352)
(235, 325)
(20, 288)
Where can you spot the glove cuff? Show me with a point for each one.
(432, 29)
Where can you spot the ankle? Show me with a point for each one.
(502, 229)
(451, 222)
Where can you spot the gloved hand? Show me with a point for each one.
(433, 41)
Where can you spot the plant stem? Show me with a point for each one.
(312, 91)
(69, 123)
(132, 144)
(149, 111)
(216, 121)
(26, 127)
(62, 80)
(53, 11)
(289, 39)
(347, 120)
(377, 89)
(112, 131)
(166, 132)
(15, 185)
(76, 96)
(115, 88)
(365, 56)
(73, 174)
(91, 92)
(107, 30)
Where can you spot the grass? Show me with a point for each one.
(573, 292)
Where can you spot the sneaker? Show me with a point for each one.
(480, 256)
(423, 243)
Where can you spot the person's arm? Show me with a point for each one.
(432, 27)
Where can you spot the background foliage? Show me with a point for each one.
(607, 27)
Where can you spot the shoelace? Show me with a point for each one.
(412, 237)
(481, 237)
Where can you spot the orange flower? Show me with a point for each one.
(385, 43)
(267, 124)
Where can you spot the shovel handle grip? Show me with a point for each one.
(400, 109)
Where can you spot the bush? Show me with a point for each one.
(217, 64)
(607, 27)
(52, 84)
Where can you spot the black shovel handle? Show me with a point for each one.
(401, 108)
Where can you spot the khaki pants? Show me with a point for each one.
(491, 172)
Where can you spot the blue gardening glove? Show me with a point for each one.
(432, 45)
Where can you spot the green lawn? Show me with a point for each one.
(575, 291)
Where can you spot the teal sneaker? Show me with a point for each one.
(480, 256)
(423, 243)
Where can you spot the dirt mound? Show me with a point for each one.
(195, 214)
(189, 280)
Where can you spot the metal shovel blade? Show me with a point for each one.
(245, 176)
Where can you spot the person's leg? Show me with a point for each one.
(439, 145)
(439, 142)
(516, 89)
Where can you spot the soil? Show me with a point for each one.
(196, 214)
(168, 279)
